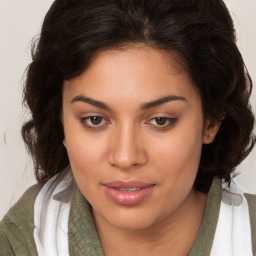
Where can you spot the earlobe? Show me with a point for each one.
(64, 143)
(210, 130)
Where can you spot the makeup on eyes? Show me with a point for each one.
(94, 122)
(97, 122)
(160, 115)
(162, 123)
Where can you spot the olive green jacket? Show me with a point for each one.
(17, 227)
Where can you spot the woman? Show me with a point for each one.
(140, 110)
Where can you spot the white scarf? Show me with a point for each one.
(51, 211)
(52, 206)
(233, 232)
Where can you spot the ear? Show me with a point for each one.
(62, 121)
(211, 128)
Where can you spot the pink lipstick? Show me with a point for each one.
(128, 193)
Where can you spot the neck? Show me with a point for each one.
(174, 235)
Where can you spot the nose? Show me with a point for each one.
(127, 149)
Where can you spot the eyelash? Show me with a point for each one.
(84, 121)
(171, 122)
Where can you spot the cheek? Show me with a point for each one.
(179, 154)
(181, 145)
(85, 161)
(84, 151)
(83, 147)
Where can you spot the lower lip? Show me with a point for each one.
(128, 198)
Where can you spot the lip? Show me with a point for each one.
(118, 191)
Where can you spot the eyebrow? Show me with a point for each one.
(161, 101)
(91, 101)
(144, 106)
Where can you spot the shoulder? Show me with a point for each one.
(251, 199)
(22, 211)
(16, 228)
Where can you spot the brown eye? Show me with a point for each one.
(161, 120)
(162, 123)
(96, 120)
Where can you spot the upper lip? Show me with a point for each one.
(127, 184)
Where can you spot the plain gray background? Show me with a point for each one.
(20, 21)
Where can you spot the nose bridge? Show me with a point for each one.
(127, 151)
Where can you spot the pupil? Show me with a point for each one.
(160, 121)
(96, 120)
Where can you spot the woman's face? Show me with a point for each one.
(134, 131)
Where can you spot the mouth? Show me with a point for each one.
(128, 193)
(128, 189)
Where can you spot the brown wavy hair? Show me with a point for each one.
(200, 31)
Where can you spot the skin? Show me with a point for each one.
(129, 143)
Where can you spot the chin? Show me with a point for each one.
(133, 225)
(131, 219)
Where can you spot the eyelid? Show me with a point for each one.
(84, 119)
(171, 120)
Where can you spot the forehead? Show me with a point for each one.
(132, 73)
